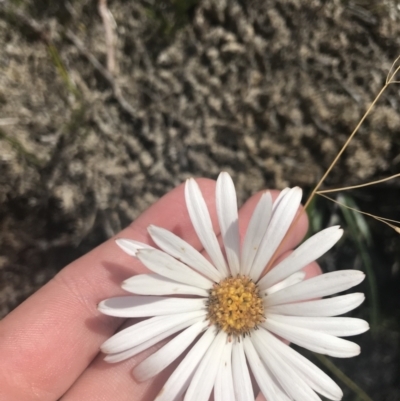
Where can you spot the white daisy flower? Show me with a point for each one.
(230, 315)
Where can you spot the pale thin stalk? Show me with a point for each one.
(389, 80)
(344, 147)
(328, 191)
(381, 219)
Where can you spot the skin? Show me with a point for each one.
(49, 345)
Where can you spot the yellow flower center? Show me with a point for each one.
(235, 306)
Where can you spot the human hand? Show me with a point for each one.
(49, 345)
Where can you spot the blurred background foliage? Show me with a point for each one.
(268, 91)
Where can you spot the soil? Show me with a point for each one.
(266, 90)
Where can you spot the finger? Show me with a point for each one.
(101, 380)
(52, 337)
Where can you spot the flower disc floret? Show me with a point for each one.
(235, 306)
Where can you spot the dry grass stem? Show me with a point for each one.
(328, 191)
(389, 80)
(389, 77)
(381, 219)
(346, 144)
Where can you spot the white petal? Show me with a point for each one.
(181, 250)
(263, 379)
(202, 224)
(306, 253)
(145, 306)
(311, 374)
(255, 231)
(280, 392)
(180, 378)
(241, 376)
(281, 219)
(321, 307)
(290, 381)
(319, 286)
(161, 263)
(335, 326)
(147, 329)
(129, 353)
(223, 388)
(122, 356)
(228, 219)
(204, 378)
(158, 361)
(281, 195)
(154, 284)
(312, 340)
(291, 280)
(130, 246)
